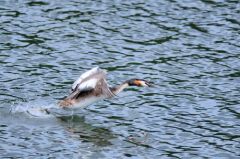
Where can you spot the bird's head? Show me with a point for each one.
(139, 83)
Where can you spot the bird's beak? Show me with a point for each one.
(149, 84)
(141, 83)
(145, 83)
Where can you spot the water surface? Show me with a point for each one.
(189, 49)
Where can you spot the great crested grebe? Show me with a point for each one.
(92, 86)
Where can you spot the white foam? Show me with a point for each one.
(36, 108)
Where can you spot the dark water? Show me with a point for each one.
(189, 49)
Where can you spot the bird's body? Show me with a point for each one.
(92, 86)
(80, 102)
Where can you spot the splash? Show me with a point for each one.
(38, 108)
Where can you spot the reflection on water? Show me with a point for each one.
(86, 132)
(189, 49)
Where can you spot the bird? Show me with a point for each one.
(92, 86)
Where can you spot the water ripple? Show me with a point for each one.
(189, 49)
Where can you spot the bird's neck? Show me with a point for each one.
(116, 90)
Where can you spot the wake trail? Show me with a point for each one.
(38, 108)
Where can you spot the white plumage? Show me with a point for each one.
(88, 80)
(87, 85)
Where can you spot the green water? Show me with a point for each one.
(189, 49)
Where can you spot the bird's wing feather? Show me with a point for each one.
(89, 79)
(105, 89)
(86, 85)
(84, 76)
(92, 80)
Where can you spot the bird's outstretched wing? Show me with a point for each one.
(92, 80)
(89, 79)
